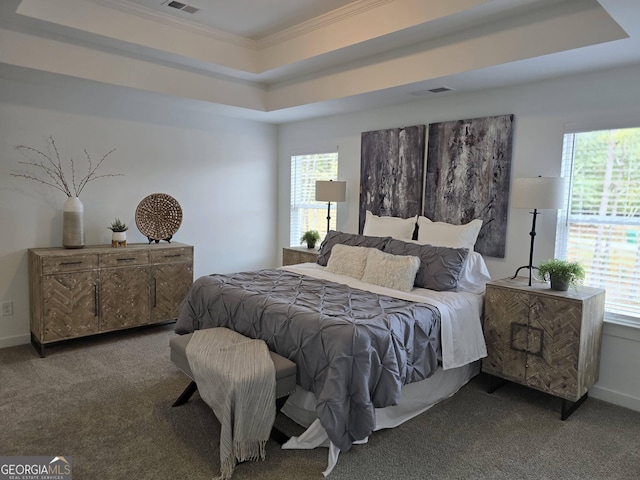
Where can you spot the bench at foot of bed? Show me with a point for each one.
(285, 378)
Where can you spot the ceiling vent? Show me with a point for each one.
(182, 6)
(442, 89)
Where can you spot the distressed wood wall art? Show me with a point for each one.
(468, 174)
(392, 172)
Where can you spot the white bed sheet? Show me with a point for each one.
(460, 312)
(462, 345)
(415, 398)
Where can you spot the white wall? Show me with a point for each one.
(222, 172)
(543, 111)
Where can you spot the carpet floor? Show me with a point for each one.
(106, 402)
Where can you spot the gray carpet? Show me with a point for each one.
(106, 402)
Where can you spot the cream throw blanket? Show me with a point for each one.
(236, 378)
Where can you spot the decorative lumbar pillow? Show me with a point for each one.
(395, 227)
(348, 260)
(334, 238)
(391, 271)
(441, 234)
(440, 267)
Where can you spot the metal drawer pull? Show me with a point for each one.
(96, 300)
(71, 263)
(540, 345)
(125, 259)
(528, 329)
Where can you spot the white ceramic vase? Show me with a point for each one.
(73, 223)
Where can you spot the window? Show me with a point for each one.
(600, 227)
(306, 213)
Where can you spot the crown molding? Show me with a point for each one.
(170, 20)
(319, 22)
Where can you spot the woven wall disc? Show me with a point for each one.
(158, 216)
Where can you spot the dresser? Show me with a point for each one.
(294, 255)
(80, 292)
(544, 339)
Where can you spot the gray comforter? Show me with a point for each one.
(354, 349)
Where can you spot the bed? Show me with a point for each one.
(373, 346)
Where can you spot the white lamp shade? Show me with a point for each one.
(538, 192)
(330, 191)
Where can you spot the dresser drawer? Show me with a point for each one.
(124, 257)
(171, 255)
(61, 264)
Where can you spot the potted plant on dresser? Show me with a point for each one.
(119, 235)
(561, 273)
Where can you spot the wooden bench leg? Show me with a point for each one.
(186, 395)
(276, 435)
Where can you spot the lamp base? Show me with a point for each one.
(529, 267)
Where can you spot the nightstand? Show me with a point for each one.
(544, 339)
(293, 255)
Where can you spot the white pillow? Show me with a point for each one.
(391, 271)
(474, 275)
(441, 234)
(396, 227)
(348, 260)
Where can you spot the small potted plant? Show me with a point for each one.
(311, 237)
(118, 237)
(561, 273)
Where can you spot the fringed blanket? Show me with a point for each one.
(236, 378)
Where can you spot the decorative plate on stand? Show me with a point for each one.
(158, 217)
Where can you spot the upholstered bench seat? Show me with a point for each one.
(285, 377)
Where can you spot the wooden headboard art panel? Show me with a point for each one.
(392, 172)
(468, 176)
(468, 170)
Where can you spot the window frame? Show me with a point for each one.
(565, 218)
(298, 204)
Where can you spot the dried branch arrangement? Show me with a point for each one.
(49, 170)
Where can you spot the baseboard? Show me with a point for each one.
(616, 398)
(13, 341)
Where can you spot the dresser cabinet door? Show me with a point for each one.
(124, 297)
(70, 305)
(554, 345)
(170, 284)
(505, 325)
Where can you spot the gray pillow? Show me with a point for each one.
(440, 267)
(351, 239)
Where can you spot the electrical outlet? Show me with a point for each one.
(7, 309)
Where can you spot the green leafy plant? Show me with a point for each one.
(311, 237)
(562, 273)
(118, 226)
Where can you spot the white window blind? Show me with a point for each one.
(306, 213)
(600, 226)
